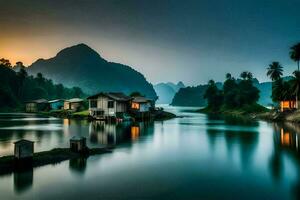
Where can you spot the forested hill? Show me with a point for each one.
(193, 96)
(80, 65)
(18, 87)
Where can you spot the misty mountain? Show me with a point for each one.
(81, 66)
(166, 91)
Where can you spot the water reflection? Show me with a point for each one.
(190, 156)
(286, 141)
(113, 134)
(78, 165)
(23, 180)
(241, 142)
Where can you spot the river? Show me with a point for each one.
(195, 156)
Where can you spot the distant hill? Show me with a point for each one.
(81, 66)
(166, 91)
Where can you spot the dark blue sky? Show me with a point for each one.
(192, 41)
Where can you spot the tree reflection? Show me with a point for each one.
(235, 132)
(286, 139)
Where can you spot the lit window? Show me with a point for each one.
(135, 106)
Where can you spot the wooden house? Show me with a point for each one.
(106, 105)
(23, 149)
(288, 105)
(75, 104)
(37, 105)
(78, 144)
(56, 104)
(141, 104)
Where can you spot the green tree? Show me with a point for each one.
(296, 85)
(22, 75)
(77, 92)
(275, 71)
(230, 91)
(5, 62)
(214, 96)
(295, 54)
(136, 94)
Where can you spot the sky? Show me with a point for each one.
(166, 40)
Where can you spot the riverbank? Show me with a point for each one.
(257, 112)
(245, 111)
(275, 116)
(8, 164)
(157, 115)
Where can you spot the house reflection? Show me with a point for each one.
(116, 133)
(287, 136)
(78, 165)
(108, 133)
(23, 180)
(135, 132)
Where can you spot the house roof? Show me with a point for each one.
(56, 100)
(37, 101)
(77, 138)
(23, 141)
(74, 100)
(117, 96)
(141, 100)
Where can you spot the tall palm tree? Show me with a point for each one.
(275, 71)
(295, 53)
(296, 85)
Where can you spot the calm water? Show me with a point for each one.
(192, 157)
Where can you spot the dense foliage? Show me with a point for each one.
(234, 95)
(18, 87)
(285, 89)
(190, 96)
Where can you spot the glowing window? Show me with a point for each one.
(135, 106)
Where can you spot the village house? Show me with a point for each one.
(141, 104)
(24, 149)
(56, 104)
(106, 105)
(37, 105)
(75, 104)
(288, 105)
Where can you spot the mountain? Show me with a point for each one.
(81, 66)
(177, 86)
(166, 91)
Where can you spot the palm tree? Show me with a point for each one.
(295, 53)
(275, 71)
(296, 85)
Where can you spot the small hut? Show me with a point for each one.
(24, 149)
(78, 144)
(74, 105)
